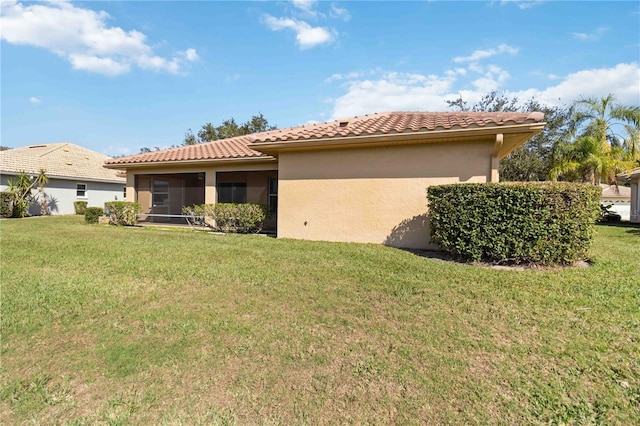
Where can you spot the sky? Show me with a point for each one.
(116, 76)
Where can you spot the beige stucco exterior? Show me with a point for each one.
(374, 194)
(635, 197)
(361, 186)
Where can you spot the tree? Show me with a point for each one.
(593, 152)
(532, 161)
(21, 188)
(227, 129)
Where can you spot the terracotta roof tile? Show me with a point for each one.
(60, 160)
(397, 122)
(232, 148)
(373, 124)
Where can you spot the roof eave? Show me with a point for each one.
(431, 136)
(266, 159)
(74, 178)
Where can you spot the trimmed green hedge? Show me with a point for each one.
(91, 214)
(6, 204)
(122, 213)
(516, 223)
(79, 207)
(241, 218)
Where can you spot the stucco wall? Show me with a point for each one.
(61, 194)
(374, 195)
(635, 201)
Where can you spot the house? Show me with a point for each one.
(634, 178)
(618, 197)
(360, 179)
(75, 174)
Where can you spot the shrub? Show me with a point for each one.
(195, 214)
(6, 204)
(241, 218)
(21, 190)
(79, 206)
(92, 214)
(122, 213)
(539, 223)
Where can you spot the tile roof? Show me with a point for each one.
(59, 160)
(224, 149)
(615, 191)
(398, 122)
(367, 125)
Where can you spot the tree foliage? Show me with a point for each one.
(227, 129)
(21, 190)
(532, 161)
(593, 151)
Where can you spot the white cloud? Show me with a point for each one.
(339, 13)
(487, 53)
(595, 35)
(392, 91)
(191, 55)
(622, 80)
(522, 4)
(83, 37)
(347, 76)
(305, 5)
(35, 100)
(306, 35)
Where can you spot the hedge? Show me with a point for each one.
(122, 213)
(515, 223)
(6, 204)
(92, 214)
(241, 218)
(79, 207)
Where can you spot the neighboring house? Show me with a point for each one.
(634, 178)
(75, 174)
(361, 179)
(618, 197)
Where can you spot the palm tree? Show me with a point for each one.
(597, 153)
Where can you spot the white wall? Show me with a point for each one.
(62, 193)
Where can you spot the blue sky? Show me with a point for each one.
(117, 76)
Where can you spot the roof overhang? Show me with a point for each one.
(72, 178)
(200, 162)
(513, 137)
(633, 174)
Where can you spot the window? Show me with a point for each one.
(232, 192)
(273, 195)
(160, 193)
(81, 190)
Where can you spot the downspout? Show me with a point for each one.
(495, 158)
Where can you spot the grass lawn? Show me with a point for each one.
(105, 325)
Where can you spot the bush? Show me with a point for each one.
(6, 204)
(240, 218)
(122, 213)
(79, 206)
(92, 214)
(195, 214)
(539, 223)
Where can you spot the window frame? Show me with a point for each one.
(84, 191)
(238, 192)
(272, 196)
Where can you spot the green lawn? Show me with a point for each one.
(105, 325)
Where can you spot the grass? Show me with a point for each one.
(104, 325)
